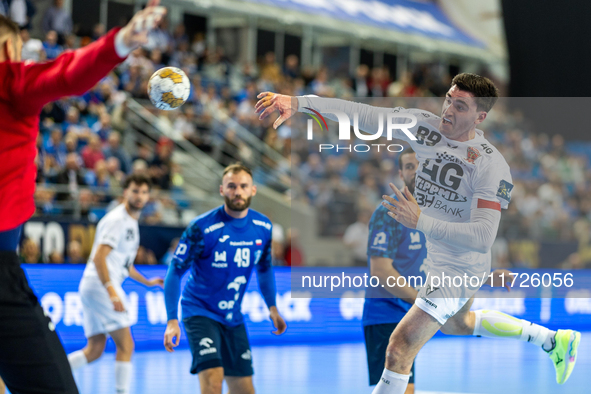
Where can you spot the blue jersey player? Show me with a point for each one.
(393, 250)
(221, 248)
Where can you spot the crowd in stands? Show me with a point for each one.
(81, 143)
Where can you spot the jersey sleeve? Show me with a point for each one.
(111, 234)
(190, 247)
(265, 275)
(492, 186)
(384, 234)
(71, 73)
(418, 127)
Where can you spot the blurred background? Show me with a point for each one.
(388, 51)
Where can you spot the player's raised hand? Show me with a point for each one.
(406, 210)
(278, 321)
(172, 331)
(156, 282)
(270, 102)
(135, 33)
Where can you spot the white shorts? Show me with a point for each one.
(443, 298)
(100, 317)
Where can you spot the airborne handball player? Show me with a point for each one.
(32, 358)
(460, 189)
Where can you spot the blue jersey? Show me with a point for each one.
(220, 252)
(407, 248)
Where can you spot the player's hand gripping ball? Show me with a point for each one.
(169, 88)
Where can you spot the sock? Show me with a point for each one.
(77, 360)
(391, 383)
(495, 324)
(122, 376)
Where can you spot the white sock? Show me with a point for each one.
(391, 383)
(495, 324)
(122, 376)
(77, 360)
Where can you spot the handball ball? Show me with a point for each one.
(169, 88)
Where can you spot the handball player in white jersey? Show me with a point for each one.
(111, 260)
(461, 186)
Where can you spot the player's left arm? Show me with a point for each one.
(266, 279)
(492, 189)
(138, 277)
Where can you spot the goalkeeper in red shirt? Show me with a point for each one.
(32, 358)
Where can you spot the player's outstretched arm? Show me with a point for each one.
(287, 106)
(75, 72)
(138, 277)
(100, 262)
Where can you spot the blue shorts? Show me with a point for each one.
(216, 345)
(377, 337)
(9, 239)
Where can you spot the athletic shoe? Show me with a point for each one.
(564, 354)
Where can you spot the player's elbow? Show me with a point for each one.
(485, 242)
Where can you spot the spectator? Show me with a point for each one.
(18, 12)
(145, 256)
(58, 19)
(92, 153)
(116, 176)
(32, 49)
(359, 82)
(56, 147)
(169, 212)
(293, 253)
(44, 200)
(291, 68)
(50, 46)
(55, 257)
(161, 164)
(30, 253)
(75, 253)
(114, 149)
(356, 236)
(198, 46)
(98, 31)
(99, 178)
(72, 176)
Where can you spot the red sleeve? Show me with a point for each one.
(72, 73)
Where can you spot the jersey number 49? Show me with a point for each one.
(242, 257)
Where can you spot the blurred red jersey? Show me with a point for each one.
(26, 88)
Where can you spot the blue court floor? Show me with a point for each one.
(445, 365)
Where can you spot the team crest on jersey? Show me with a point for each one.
(473, 154)
(129, 235)
(504, 190)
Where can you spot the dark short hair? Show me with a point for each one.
(139, 179)
(236, 168)
(483, 89)
(407, 151)
(8, 26)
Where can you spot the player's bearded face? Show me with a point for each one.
(237, 190)
(238, 203)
